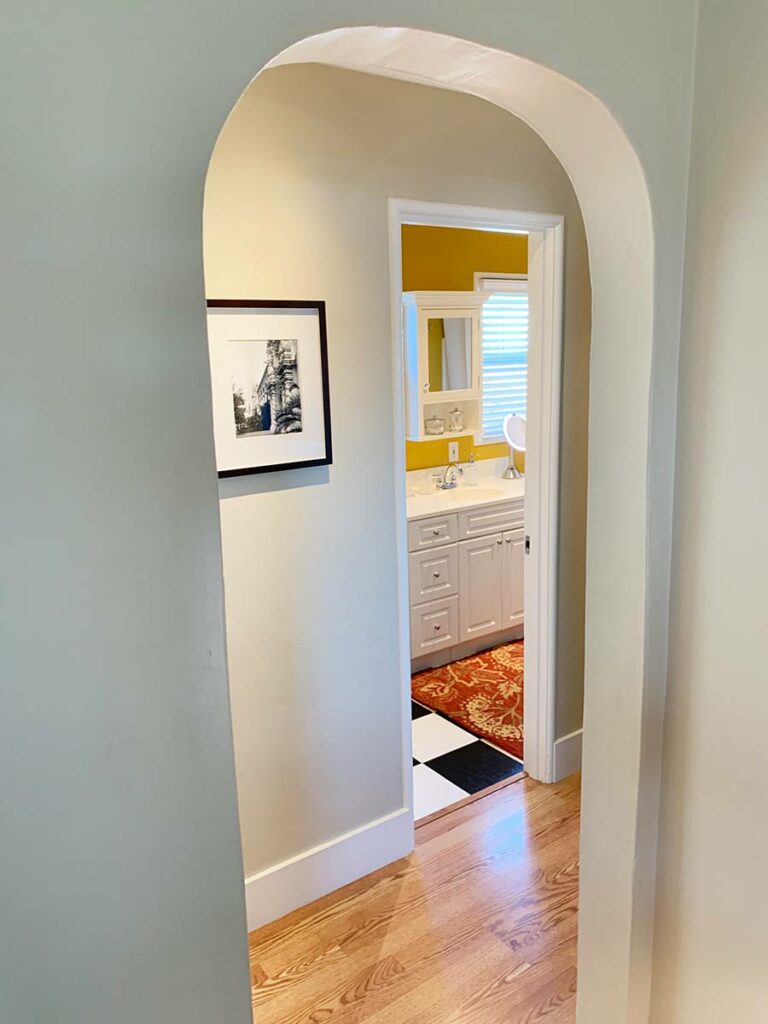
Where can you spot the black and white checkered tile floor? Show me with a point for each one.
(450, 764)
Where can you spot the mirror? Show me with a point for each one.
(450, 353)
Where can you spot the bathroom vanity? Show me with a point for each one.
(466, 549)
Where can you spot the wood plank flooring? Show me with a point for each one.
(477, 926)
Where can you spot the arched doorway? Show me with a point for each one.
(609, 184)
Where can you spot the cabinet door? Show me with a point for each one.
(480, 586)
(449, 354)
(513, 575)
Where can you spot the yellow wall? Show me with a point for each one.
(445, 259)
(426, 454)
(435, 328)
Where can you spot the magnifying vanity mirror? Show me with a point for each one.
(514, 432)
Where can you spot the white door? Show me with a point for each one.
(480, 586)
(512, 587)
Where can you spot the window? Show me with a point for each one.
(504, 332)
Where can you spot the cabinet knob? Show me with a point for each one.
(436, 575)
(498, 541)
(437, 629)
(435, 533)
(509, 540)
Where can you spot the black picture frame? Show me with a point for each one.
(319, 306)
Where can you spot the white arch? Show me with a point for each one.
(621, 718)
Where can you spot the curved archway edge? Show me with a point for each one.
(620, 804)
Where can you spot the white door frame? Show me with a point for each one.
(542, 458)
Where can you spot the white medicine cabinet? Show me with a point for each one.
(443, 363)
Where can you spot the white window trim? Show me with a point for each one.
(509, 279)
(508, 283)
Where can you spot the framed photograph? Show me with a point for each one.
(269, 372)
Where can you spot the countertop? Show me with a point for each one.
(490, 490)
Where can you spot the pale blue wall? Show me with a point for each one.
(120, 859)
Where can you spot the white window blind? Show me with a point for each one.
(504, 329)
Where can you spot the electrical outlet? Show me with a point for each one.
(453, 451)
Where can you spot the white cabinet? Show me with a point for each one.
(466, 577)
(480, 597)
(513, 568)
(443, 358)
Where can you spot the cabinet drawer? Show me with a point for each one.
(432, 532)
(476, 522)
(433, 573)
(434, 625)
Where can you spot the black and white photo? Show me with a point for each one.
(269, 378)
(266, 394)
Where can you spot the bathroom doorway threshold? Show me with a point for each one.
(545, 235)
(471, 799)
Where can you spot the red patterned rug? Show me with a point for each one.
(484, 694)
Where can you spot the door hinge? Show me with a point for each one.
(527, 544)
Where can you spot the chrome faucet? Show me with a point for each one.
(450, 477)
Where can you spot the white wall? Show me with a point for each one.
(712, 940)
(296, 206)
(119, 824)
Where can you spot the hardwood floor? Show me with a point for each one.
(477, 926)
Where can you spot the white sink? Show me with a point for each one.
(474, 494)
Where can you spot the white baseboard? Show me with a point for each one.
(568, 755)
(300, 880)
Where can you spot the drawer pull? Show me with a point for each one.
(436, 575)
(435, 533)
(437, 629)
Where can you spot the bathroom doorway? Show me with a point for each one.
(481, 523)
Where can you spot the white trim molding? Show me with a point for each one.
(542, 475)
(486, 275)
(568, 755)
(293, 883)
(545, 290)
